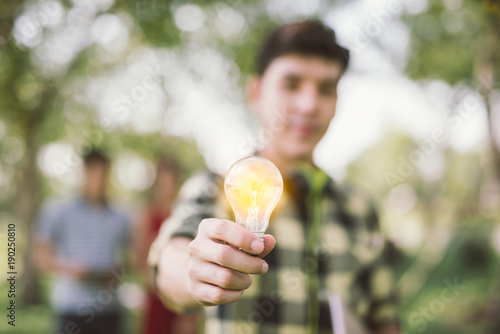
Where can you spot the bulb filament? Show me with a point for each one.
(253, 212)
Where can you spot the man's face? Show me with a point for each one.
(96, 175)
(166, 184)
(295, 101)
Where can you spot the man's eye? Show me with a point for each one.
(328, 91)
(291, 85)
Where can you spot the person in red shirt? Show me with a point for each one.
(157, 319)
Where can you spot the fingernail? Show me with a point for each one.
(257, 245)
(265, 267)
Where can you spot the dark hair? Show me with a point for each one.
(305, 38)
(168, 163)
(93, 156)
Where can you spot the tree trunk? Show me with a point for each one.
(486, 71)
(27, 205)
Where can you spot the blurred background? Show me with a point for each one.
(418, 124)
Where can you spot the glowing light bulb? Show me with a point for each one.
(253, 187)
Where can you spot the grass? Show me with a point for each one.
(40, 319)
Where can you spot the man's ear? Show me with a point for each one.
(253, 91)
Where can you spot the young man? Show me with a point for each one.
(326, 237)
(80, 243)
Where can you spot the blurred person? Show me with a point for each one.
(157, 319)
(83, 243)
(323, 242)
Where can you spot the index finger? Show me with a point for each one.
(232, 233)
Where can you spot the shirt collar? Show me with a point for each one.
(83, 201)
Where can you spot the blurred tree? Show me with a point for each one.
(24, 116)
(32, 109)
(458, 41)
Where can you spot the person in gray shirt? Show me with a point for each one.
(83, 242)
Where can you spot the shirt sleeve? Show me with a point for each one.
(196, 201)
(48, 224)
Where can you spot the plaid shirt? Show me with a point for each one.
(327, 242)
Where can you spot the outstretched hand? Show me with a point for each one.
(222, 257)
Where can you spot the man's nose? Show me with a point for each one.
(307, 100)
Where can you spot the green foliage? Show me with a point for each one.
(447, 43)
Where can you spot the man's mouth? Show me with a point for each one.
(304, 129)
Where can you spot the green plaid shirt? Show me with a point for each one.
(327, 242)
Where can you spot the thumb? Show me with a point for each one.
(269, 243)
